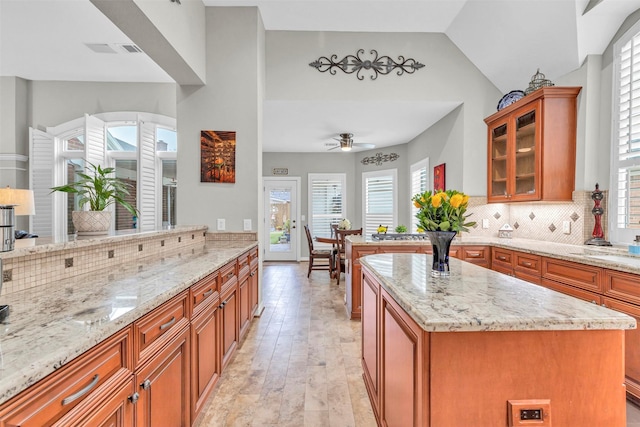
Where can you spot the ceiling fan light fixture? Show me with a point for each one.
(346, 148)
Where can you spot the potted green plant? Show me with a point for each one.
(401, 229)
(99, 189)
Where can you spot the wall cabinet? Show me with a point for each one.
(532, 147)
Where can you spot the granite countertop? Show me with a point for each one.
(50, 325)
(474, 298)
(616, 258)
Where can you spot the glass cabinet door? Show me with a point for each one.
(525, 154)
(498, 166)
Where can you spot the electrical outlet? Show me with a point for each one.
(522, 413)
(221, 224)
(566, 227)
(485, 223)
(247, 225)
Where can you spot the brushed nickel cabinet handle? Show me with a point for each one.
(526, 264)
(169, 323)
(502, 258)
(77, 395)
(209, 292)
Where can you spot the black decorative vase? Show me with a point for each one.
(440, 244)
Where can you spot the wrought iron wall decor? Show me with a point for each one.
(380, 158)
(355, 64)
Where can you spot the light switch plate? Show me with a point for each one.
(566, 227)
(485, 223)
(221, 224)
(247, 225)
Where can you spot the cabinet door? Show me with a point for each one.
(403, 397)
(353, 284)
(229, 328)
(205, 357)
(498, 162)
(244, 303)
(164, 386)
(525, 180)
(370, 296)
(253, 290)
(631, 346)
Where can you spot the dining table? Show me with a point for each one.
(334, 244)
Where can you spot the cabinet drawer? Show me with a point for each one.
(527, 263)
(574, 292)
(91, 373)
(243, 264)
(502, 261)
(205, 291)
(228, 276)
(579, 275)
(253, 255)
(455, 252)
(624, 286)
(476, 254)
(152, 330)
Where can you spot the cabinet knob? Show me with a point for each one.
(134, 397)
(146, 385)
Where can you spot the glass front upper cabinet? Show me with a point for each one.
(525, 154)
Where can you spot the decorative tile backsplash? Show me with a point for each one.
(538, 220)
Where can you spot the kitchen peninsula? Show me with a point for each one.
(116, 317)
(459, 351)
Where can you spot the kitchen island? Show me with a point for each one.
(479, 347)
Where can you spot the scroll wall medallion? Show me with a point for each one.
(380, 158)
(355, 64)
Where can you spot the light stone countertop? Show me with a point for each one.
(50, 325)
(474, 298)
(615, 258)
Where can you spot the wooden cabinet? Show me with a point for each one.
(97, 373)
(244, 297)
(164, 385)
(229, 313)
(532, 147)
(254, 294)
(631, 346)
(205, 356)
(502, 260)
(204, 293)
(527, 267)
(370, 299)
(403, 389)
(573, 274)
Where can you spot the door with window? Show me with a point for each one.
(281, 219)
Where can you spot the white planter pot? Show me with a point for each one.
(91, 223)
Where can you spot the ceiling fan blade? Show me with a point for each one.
(333, 148)
(363, 145)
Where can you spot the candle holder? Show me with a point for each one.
(597, 211)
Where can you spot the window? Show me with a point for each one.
(379, 191)
(419, 184)
(625, 158)
(141, 147)
(327, 202)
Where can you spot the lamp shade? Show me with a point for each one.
(21, 199)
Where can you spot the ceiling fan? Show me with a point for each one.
(346, 143)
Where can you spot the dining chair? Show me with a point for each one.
(318, 254)
(341, 255)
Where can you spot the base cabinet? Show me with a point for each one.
(229, 328)
(205, 362)
(164, 386)
(370, 328)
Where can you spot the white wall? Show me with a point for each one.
(448, 76)
(230, 101)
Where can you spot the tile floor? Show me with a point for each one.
(299, 365)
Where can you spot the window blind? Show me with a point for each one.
(419, 184)
(379, 201)
(327, 202)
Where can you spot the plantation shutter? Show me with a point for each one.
(94, 145)
(147, 186)
(327, 202)
(379, 201)
(419, 184)
(628, 135)
(41, 178)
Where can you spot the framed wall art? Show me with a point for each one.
(217, 156)
(438, 178)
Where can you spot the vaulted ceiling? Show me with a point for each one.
(48, 40)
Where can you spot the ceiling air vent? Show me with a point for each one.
(100, 47)
(130, 48)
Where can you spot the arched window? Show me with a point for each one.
(142, 148)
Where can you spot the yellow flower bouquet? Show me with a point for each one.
(442, 211)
